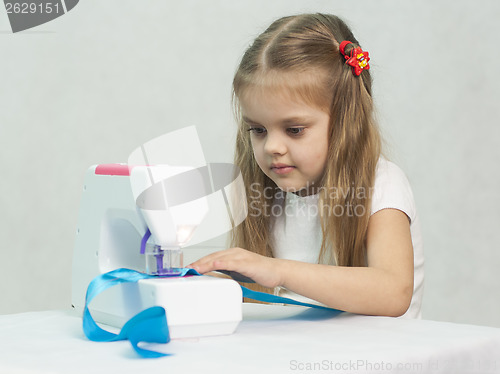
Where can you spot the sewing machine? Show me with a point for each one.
(183, 207)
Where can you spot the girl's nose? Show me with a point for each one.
(275, 144)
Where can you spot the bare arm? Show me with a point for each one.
(385, 287)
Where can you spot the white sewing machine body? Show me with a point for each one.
(109, 232)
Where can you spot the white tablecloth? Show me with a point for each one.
(271, 338)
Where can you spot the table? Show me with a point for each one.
(270, 339)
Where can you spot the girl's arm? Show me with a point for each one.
(384, 287)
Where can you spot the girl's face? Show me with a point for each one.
(289, 139)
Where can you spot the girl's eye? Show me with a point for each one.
(295, 131)
(257, 130)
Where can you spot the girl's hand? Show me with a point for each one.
(263, 270)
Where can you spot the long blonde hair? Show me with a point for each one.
(308, 45)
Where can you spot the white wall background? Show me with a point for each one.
(94, 84)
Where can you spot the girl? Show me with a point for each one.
(328, 217)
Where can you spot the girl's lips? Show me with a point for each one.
(282, 169)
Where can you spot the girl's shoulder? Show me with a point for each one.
(386, 168)
(392, 189)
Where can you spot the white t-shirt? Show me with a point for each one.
(296, 233)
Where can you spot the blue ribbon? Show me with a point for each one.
(150, 325)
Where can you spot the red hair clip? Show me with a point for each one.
(358, 58)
